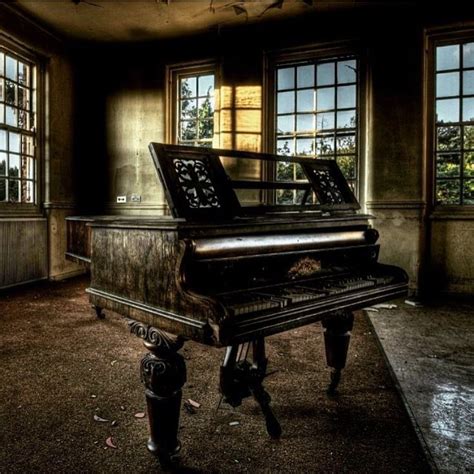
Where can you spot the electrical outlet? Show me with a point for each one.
(135, 198)
(121, 199)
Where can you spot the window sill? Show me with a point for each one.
(8, 210)
(453, 213)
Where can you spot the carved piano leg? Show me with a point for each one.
(240, 379)
(163, 372)
(337, 334)
(258, 372)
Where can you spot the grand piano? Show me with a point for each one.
(237, 261)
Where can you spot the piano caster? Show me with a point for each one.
(99, 312)
(163, 372)
(240, 379)
(337, 334)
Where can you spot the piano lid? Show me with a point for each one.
(198, 183)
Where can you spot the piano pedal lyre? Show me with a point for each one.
(240, 379)
(337, 334)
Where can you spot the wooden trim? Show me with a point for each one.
(153, 310)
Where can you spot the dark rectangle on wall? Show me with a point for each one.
(23, 251)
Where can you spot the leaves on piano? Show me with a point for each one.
(110, 443)
(100, 419)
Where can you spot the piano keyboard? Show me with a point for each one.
(304, 292)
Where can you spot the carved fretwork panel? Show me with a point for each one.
(195, 179)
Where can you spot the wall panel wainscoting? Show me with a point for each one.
(23, 250)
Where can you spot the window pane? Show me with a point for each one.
(27, 145)
(286, 78)
(449, 138)
(304, 146)
(23, 74)
(2, 89)
(447, 84)
(346, 97)
(206, 128)
(468, 52)
(447, 57)
(305, 76)
(14, 142)
(347, 165)
(284, 171)
(188, 87)
(3, 163)
(346, 119)
(3, 140)
(468, 82)
(206, 108)
(10, 116)
(286, 124)
(447, 110)
(188, 109)
(346, 71)
(468, 164)
(188, 130)
(325, 121)
(27, 191)
(469, 137)
(468, 194)
(286, 102)
(11, 68)
(2, 62)
(305, 101)
(325, 74)
(23, 119)
(447, 191)
(13, 190)
(346, 144)
(23, 98)
(285, 147)
(206, 85)
(468, 110)
(14, 165)
(325, 145)
(325, 98)
(448, 165)
(29, 171)
(305, 122)
(3, 189)
(285, 196)
(10, 93)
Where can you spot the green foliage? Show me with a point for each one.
(196, 121)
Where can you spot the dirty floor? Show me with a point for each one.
(60, 366)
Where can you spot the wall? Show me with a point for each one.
(122, 93)
(37, 243)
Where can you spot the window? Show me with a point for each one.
(454, 123)
(316, 104)
(193, 105)
(18, 166)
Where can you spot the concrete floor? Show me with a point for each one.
(430, 350)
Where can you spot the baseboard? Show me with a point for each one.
(66, 275)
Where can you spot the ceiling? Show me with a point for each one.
(138, 20)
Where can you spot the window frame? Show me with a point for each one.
(314, 53)
(174, 73)
(22, 53)
(435, 37)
